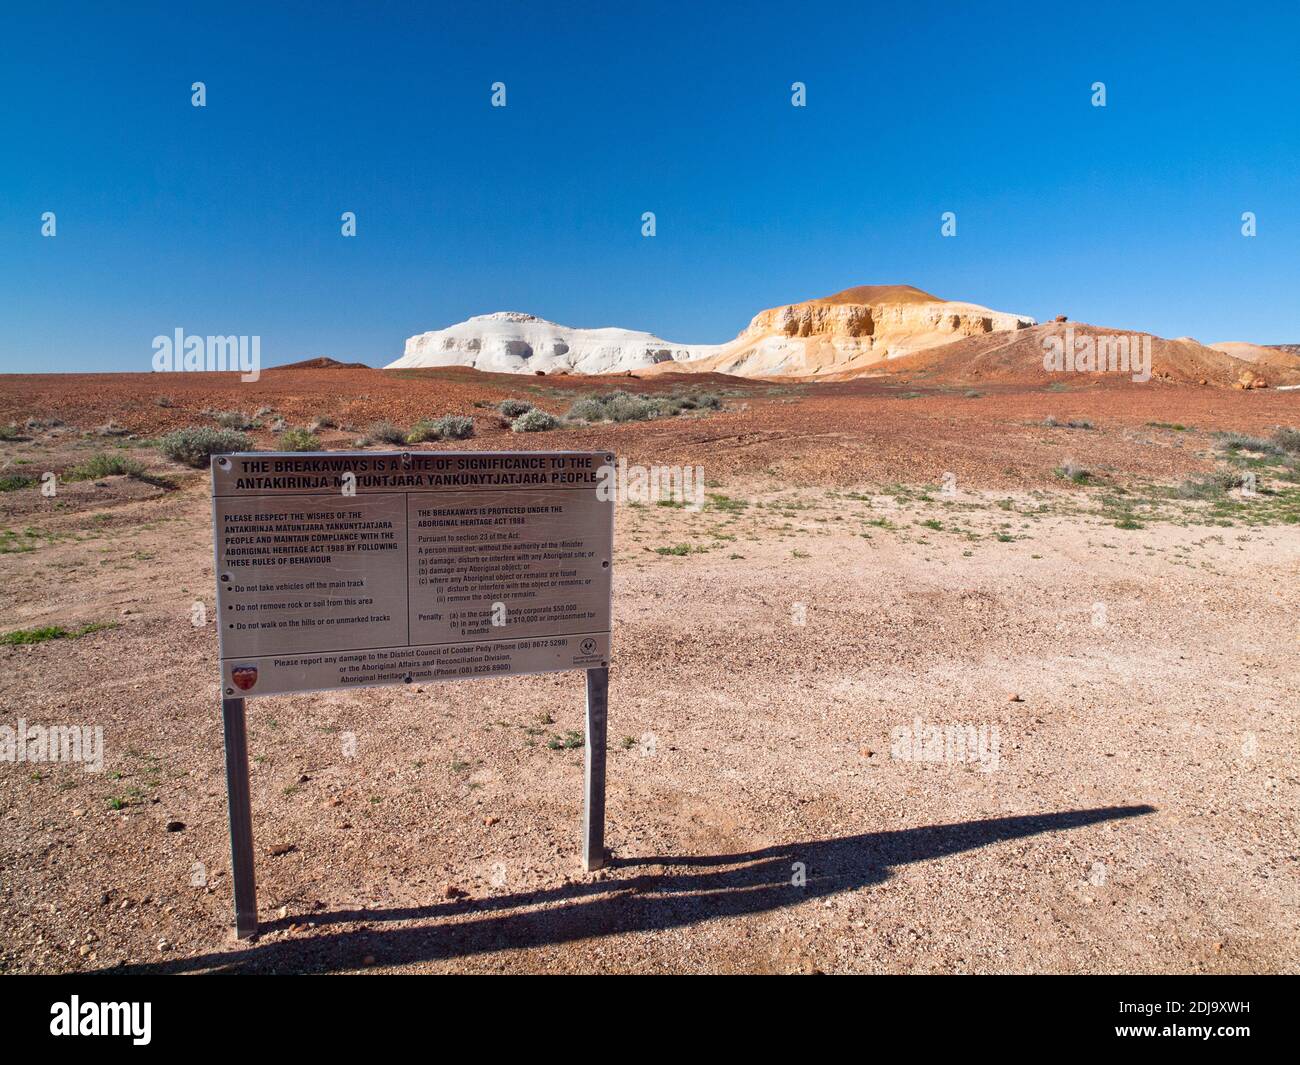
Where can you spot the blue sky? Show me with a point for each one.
(225, 219)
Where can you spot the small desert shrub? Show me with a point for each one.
(13, 482)
(1072, 471)
(620, 407)
(323, 422)
(163, 401)
(421, 431)
(195, 445)
(535, 421)
(234, 419)
(676, 549)
(1051, 423)
(624, 407)
(298, 440)
(111, 428)
(587, 409)
(1234, 442)
(10, 432)
(103, 465)
(1288, 440)
(448, 427)
(512, 408)
(385, 432)
(455, 427)
(630, 407)
(1216, 484)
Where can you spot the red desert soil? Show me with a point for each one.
(899, 427)
(1140, 676)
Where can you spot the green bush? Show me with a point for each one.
(512, 408)
(448, 427)
(535, 421)
(197, 444)
(298, 440)
(13, 482)
(421, 431)
(587, 409)
(455, 427)
(629, 407)
(10, 432)
(104, 465)
(624, 407)
(616, 407)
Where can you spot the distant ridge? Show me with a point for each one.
(321, 362)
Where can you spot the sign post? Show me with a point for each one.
(593, 808)
(241, 817)
(344, 570)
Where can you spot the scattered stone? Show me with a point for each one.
(279, 849)
(453, 892)
(175, 826)
(1014, 698)
(490, 821)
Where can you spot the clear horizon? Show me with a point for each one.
(225, 219)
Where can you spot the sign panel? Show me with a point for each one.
(351, 569)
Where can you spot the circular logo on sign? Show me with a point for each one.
(244, 677)
(588, 646)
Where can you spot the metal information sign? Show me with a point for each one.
(353, 569)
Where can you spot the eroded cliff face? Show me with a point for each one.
(511, 342)
(851, 330)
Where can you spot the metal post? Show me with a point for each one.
(241, 817)
(593, 811)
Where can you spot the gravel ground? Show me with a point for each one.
(1127, 800)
